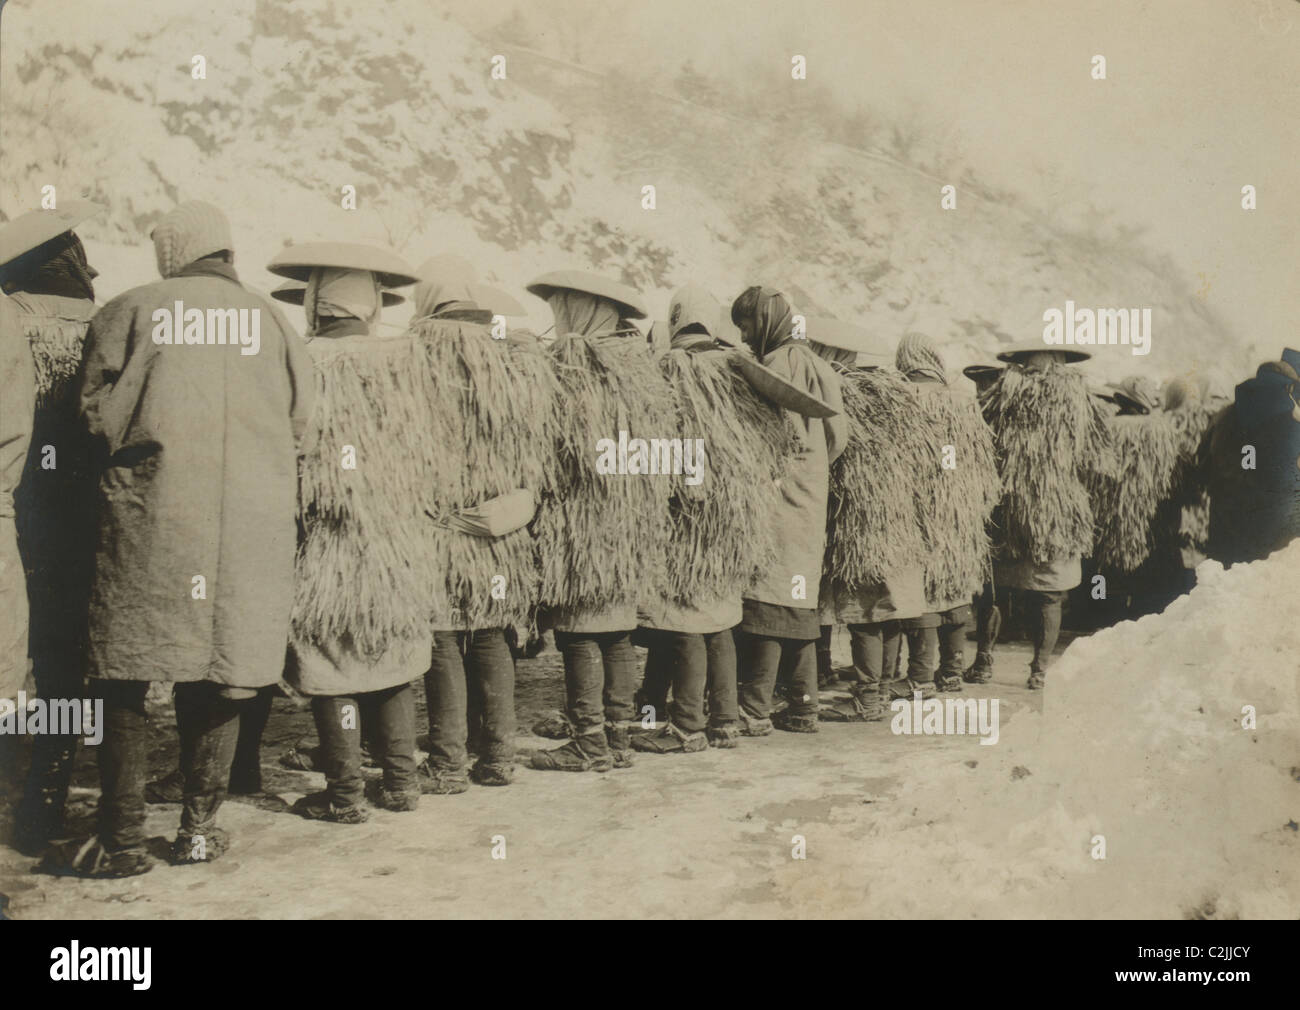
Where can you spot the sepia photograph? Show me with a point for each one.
(651, 461)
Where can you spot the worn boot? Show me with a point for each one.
(587, 752)
(751, 726)
(493, 773)
(905, 688)
(725, 736)
(191, 848)
(980, 671)
(319, 807)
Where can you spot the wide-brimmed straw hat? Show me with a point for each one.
(293, 293)
(846, 336)
(25, 232)
(593, 284)
(298, 261)
(1021, 351)
(776, 389)
(978, 373)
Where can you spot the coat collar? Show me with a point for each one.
(208, 268)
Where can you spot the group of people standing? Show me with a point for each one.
(348, 513)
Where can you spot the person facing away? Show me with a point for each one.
(779, 629)
(193, 580)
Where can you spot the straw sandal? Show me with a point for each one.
(1036, 682)
(399, 800)
(190, 848)
(950, 684)
(750, 726)
(88, 858)
(318, 807)
(574, 757)
(784, 720)
(441, 781)
(493, 773)
(980, 671)
(723, 737)
(668, 739)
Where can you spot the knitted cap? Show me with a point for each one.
(189, 231)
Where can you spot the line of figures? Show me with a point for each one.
(341, 515)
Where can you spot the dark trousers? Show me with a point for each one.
(952, 650)
(390, 731)
(45, 791)
(875, 650)
(1045, 625)
(246, 771)
(469, 665)
(989, 605)
(208, 725)
(692, 664)
(762, 660)
(600, 670)
(922, 650)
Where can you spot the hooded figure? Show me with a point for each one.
(779, 629)
(1044, 419)
(943, 628)
(600, 664)
(354, 683)
(690, 646)
(193, 579)
(52, 301)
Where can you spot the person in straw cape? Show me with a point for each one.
(1135, 506)
(955, 501)
(988, 616)
(44, 270)
(779, 628)
(599, 532)
(1051, 437)
(360, 628)
(1188, 401)
(492, 402)
(721, 533)
(18, 381)
(873, 576)
(193, 574)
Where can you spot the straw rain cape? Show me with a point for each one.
(601, 536)
(720, 530)
(872, 528)
(1129, 503)
(1050, 435)
(954, 505)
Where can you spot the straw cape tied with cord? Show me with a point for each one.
(1050, 434)
(720, 531)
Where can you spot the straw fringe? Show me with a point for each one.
(1128, 503)
(601, 537)
(441, 419)
(1050, 436)
(56, 352)
(954, 506)
(720, 531)
(873, 528)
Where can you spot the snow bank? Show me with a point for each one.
(1145, 740)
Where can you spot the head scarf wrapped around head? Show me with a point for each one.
(771, 317)
(444, 280)
(56, 267)
(916, 356)
(188, 232)
(333, 291)
(582, 313)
